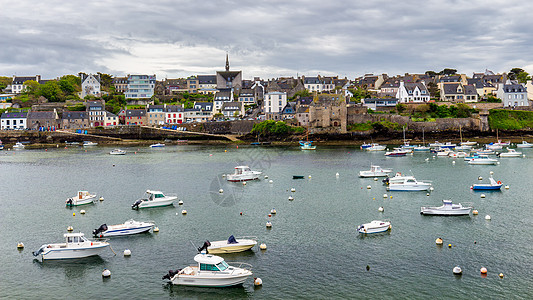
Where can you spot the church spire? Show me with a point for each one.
(227, 62)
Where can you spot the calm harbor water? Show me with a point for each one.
(313, 251)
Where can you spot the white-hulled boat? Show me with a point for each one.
(75, 246)
(117, 152)
(375, 147)
(457, 154)
(375, 171)
(486, 152)
(483, 160)
(468, 143)
(510, 153)
(443, 152)
(19, 146)
(375, 226)
(493, 147)
(397, 152)
(158, 145)
(83, 197)
(407, 184)
(398, 177)
(211, 271)
(231, 245)
(524, 144)
(154, 199)
(89, 144)
(243, 173)
(129, 227)
(463, 148)
(447, 209)
(308, 145)
(421, 149)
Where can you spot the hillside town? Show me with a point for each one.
(321, 102)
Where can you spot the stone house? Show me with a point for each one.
(328, 111)
(457, 92)
(133, 117)
(74, 119)
(155, 115)
(120, 84)
(43, 119)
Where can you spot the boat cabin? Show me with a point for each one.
(75, 238)
(241, 169)
(207, 262)
(154, 195)
(83, 194)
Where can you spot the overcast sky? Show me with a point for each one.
(263, 38)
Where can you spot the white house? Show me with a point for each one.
(412, 92)
(140, 86)
(232, 110)
(17, 86)
(512, 94)
(13, 120)
(313, 84)
(274, 102)
(90, 85)
(223, 95)
(529, 87)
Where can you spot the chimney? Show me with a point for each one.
(38, 78)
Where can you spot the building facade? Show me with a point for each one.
(90, 85)
(95, 113)
(140, 86)
(512, 94)
(13, 121)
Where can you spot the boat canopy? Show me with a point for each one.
(73, 234)
(208, 259)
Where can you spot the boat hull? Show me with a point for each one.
(82, 202)
(408, 188)
(230, 249)
(373, 174)
(71, 253)
(448, 212)
(126, 231)
(158, 203)
(210, 281)
(486, 187)
(374, 229)
(478, 162)
(233, 178)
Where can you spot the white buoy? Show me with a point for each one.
(376, 179)
(106, 273)
(180, 202)
(293, 190)
(480, 178)
(337, 174)
(487, 217)
(291, 198)
(475, 212)
(184, 212)
(309, 176)
(127, 252)
(270, 181)
(266, 176)
(101, 199)
(221, 191)
(70, 228)
(427, 194)
(457, 270)
(501, 275)
(244, 183)
(427, 159)
(491, 173)
(268, 224)
(482, 195)
(506, 187)
(82, 211)
(223, 175)
(368, 187)
(431, 188)
(273, 211)
(381, 209)
(453, 162)
(20, 245)
(156, 229)
(258, 281)
(483, 270)
(263, 246)
(433, 156)
(385, 196)
(438, 241)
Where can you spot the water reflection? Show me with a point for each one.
(73, 268)
(190, 292)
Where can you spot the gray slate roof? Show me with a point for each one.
(71, 115)
(14, 115)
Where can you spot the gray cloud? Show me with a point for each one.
(264, 38)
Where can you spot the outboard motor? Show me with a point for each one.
(136, 204)
(170, 274)
(70, 201)
(102, 228)
(36, 253)
(204, 247)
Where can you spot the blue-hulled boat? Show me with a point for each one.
(493, 185)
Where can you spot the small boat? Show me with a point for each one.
(468, 143)
(442, 151)
(117, 152)
(307, 145)
(231, 245)
(154, 199)
(365, 145)
(421, 149)
(398, 177)
(396, 153)
(408, 184)
(67, 143)
(243, 173)
(510, 153)
(75, 246)
(493, 185)
(436, 144)
(375, 171)
(158, 145)
(83, 197)
(298, 176)
(471, 155)
(524, 144)
(255, 144)
(447, 209)
(492, 146)
(483, 160)
(376, 147)
(463, 148)
(19, 146)
(374, 227)
(89, 144)
(486, 152)
(129, 227)
(457, 154)
(210, 271)
(441, 145)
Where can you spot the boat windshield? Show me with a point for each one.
(222, 266)
(159, 196)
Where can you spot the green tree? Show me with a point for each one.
(70, 84)
(513, 74)
(52, 91)
(400, 107)
(431, 73)
(5, 81)
(523, 77)
(447, 71)
(32, 88)
(360, 93)
(106, 80)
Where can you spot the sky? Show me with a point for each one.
(267, 39)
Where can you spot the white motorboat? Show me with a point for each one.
(375, 226)
(211, 271)
(407, 184)
(398, 177)
(89, 144)
(397, 152)
(447, 209)
(510, 153)
(375, 171)
(243, 173)
(375, 147)
(524, 144)
(117, 152)
(457, 154)
(308, 145)
(158, 145)
(231, 245)
(75, 246)
(421, 149)
(468, 143)
(83, 197)
(443, 152)
(483, 160)
(154, 199)
(19, 146)
(463, 148)
(129, 227)
(436, 144)
(485, 152)
(493, 147)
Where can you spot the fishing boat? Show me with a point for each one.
(375, 147)
(243, 173)
(117, 152)
(486, 152)
(127, 228)
(154, 199)
(19, 146)
(493, 185)
(396, 153)
(231, 245)
(524, 144)
(82, 198)
(307, 144)
(375, 226)
(510, 153)
(407, 184)
(210, 271)
(89, 144)
(375, 171)
(447, 209)
(75, 246)
(483, 160)
(158, 145)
